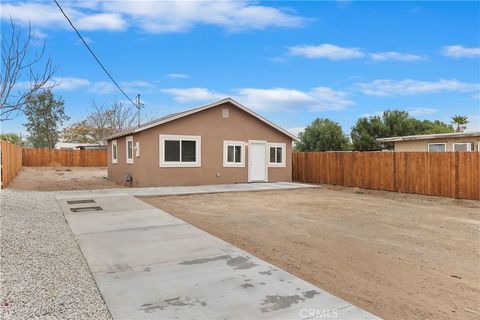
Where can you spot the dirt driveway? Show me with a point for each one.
(397, 256)
(61, 178)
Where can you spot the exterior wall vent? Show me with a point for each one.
(225, 113)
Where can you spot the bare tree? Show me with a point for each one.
(106, 120)
(18, 68)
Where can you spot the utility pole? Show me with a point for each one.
(139, 105)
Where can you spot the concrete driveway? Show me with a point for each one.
(150, 265)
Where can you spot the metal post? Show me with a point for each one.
(139, 106)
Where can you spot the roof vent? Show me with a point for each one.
(225, 113)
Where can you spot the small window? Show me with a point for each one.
(437, 147)
(129, 146)
(233, 154)
(179, 151)
(114, 152)
(277, 153)
(462, 146)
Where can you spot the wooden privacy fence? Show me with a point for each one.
(67, 158)
(445, 174)
(11, 161)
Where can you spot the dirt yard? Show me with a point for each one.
(397, 256)
(61, 178)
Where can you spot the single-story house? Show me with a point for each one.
(461, 141)
(222, 142)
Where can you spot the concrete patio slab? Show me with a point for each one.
(151, 265)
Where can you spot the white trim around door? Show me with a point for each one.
(254, 161)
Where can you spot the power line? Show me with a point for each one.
(93, 54)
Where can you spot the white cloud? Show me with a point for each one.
(71, 83)
(393, 55)
(333, 52)
(178, 76)
(60, 84)
(38, 14)
(329, 99)
(102, 21)
(274, 99)
(107, 87)
(410, 87)
(102, 87)
(97, 87)
(152, 16)
(458, 51)
(421, 111)
(327, 51)
(193, 94)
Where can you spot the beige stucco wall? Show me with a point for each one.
(213, 129)
(422, 145)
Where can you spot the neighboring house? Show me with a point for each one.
(222, 142)
(79, 146)
(462, 141)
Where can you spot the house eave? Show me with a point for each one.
(432, 136)
(199, 109)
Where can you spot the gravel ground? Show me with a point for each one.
(43, 273)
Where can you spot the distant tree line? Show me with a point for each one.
(327, 135)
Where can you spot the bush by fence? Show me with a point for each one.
(11, 161)
(446, 174)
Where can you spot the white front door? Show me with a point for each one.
(257, 161)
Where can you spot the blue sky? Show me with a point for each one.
(290, 61)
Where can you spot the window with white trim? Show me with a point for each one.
(462, 146)
(437, 147)
(180, 151)
(233, 153)
(276, 154)
(114, 152)
(129, 149)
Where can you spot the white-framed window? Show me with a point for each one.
(233, 153)
(114, 152)
(462, 146)
(437, 147)
(180, 151)
(129, 149)
(137, 149)
(478, 146)
(276, 154)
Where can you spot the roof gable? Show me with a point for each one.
(178, 115)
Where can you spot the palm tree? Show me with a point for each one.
(460, 122)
